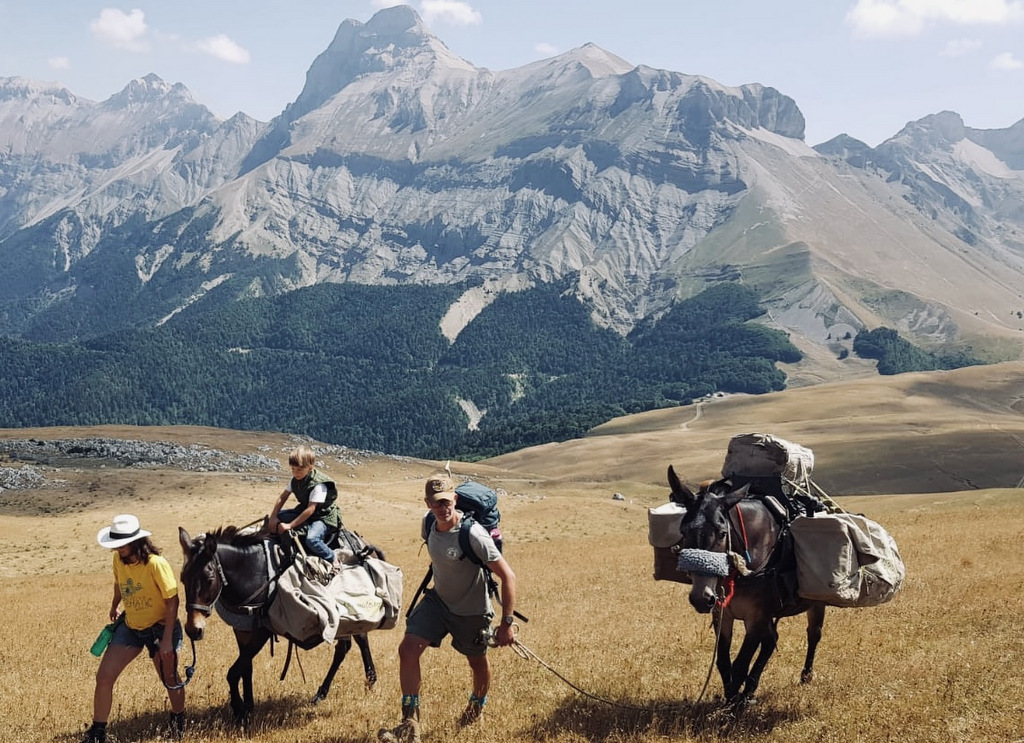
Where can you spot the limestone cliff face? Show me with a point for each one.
(400, 163)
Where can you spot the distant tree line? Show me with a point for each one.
(368, 367)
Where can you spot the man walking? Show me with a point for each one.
(458, 605)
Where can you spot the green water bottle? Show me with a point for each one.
(103, 640)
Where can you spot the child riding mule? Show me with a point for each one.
(722, 521)
(229, 571)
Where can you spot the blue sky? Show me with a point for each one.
(863, 67)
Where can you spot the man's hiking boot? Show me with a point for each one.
(408, 731)
(473, 712)
(96, 734)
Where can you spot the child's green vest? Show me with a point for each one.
(328, 510)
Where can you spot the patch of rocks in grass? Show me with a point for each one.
(126, 453)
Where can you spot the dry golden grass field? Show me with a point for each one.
(934, 457)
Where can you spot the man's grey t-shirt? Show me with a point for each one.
(460, 583)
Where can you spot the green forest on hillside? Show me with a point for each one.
(896, 355)
(367, 367)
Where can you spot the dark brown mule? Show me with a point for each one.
(721, 519)
(227, 569)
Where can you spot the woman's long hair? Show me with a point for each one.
(141, 551)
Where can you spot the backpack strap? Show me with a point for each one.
(467, 552)
(465, 546)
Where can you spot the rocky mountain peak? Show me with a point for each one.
(24, 89)
(392, 39)
(847, 148)
(599, 63)
(941, 130)
(149, 90)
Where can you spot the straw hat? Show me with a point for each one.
(123, 530)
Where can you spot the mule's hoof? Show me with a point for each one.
(806, 677)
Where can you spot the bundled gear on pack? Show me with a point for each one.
(841, 559)
(774, 467)
(845, 560)
(312, 604)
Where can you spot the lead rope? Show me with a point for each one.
(524, 652)
(720, 604)
(711, 665)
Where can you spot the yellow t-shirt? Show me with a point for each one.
(144, 588)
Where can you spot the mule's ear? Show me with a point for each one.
(736, 496)
(185, 540)
(680, 493)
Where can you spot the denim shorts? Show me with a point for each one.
(148, 638)
(433, 620)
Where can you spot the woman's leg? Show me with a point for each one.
(115, 659)
(169, 677)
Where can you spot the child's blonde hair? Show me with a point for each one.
(302, 456)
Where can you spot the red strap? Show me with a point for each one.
(743, 533)
(730, 586)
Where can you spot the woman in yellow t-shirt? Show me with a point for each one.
(145, 586)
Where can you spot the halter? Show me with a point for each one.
(728, 583)
(207, 609)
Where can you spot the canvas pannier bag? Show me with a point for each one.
(301, 608)
(765, 455)
(664, 535)
(846, 560)
(364, 595)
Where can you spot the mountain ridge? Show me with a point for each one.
(401, 163)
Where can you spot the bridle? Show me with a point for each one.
(207, 609)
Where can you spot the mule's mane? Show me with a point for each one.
(234, 536)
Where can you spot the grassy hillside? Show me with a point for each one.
(921, 432)
(935, 664)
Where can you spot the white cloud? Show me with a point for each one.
(121, 30)
(547, 50)
(453, 12)
(1006, 61)
(870, 18)
(59, 63)
(224, 48)
(960, 47)
(379, 4)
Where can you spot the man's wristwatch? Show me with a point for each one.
(509, 620)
